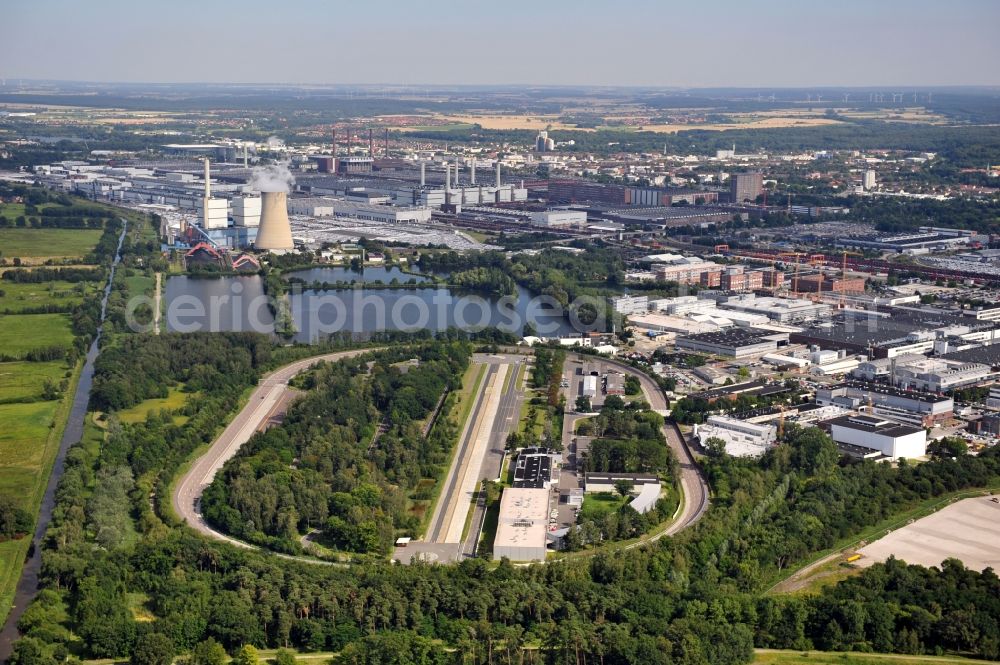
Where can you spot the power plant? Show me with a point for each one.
(275, 232)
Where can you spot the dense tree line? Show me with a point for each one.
(347, 457)
(41, 274)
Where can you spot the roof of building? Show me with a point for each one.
(523, 518)
(731, 337)
(880, 426)
(533, 468)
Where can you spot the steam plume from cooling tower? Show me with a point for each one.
(272, 178)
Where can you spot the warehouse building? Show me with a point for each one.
(918, 372)
(533, 468)
(874, 434)
(521, 530)
(630, 304)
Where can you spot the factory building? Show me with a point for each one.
(734, 343)
(533, 468)
(863, 435)
(246, 211)
(919, 372)
(327, 207)
(743, 439)
(521, 530)
(576, 190)
(782, 310)
(559, 218)
(902, 406)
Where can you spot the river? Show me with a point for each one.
(27, 585)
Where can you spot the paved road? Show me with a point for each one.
(506, 419)
(264, 402)
(156, 306)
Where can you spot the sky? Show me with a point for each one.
(669, 43)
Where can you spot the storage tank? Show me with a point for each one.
(275, 232)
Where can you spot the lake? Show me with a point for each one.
(342, 274)
(238, 304)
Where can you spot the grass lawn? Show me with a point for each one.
(44, 243)
(24, 380)
(782, 657)
(175, 399)
(599, 504)
(22, 333)
(19, 297)
(479, 236)
(140, 285)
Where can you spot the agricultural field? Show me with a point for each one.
(20, 334)
(48, 243)
(17, 297)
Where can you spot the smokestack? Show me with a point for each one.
(371, 143)
(386, 155)
(498, 174)
(208, 181)
(472, 171)
(334, 153)
(458, 170)
(246, 158)
(423, 179)
(275, 232)
(447, 183)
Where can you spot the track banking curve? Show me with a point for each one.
(694, 488)
(263, 402)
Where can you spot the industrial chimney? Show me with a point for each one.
(472, 171)
(275, 232)
(371, 143)
(206, 202)
(423, 179)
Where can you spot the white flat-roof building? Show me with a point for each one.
(630, 304)
(878, 434)
(559, 218)
(521, 531)
(743, 439)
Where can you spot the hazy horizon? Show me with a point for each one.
(643, 43)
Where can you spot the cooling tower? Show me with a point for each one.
(274, 233)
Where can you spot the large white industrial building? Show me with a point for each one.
(521, 531)
(878, 435)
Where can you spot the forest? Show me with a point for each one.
(348, 457)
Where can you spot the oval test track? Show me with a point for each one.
(268, 394)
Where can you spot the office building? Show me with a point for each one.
(869, 180)
(630, 304)
(745, 187)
